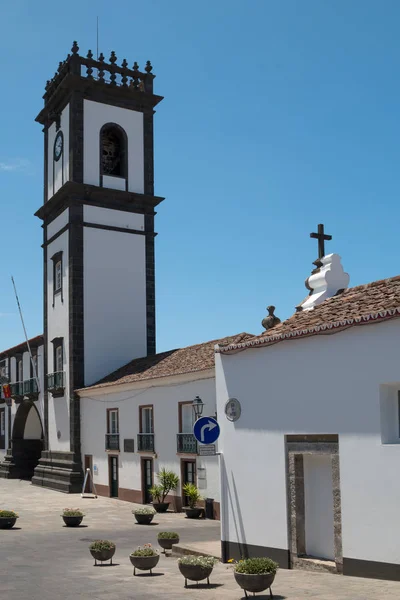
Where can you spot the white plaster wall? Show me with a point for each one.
(58, 326)
(57, 224)
(114, 300)
(317, 385)
(95, 115)
(113, 218)
(58, 172)
(165, 399)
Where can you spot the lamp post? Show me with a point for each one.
(198, 406)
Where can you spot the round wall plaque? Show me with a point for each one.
(233, 409)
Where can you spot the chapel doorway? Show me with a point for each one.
(113, 475)
(26, 440)
(147, 479)
(318, 507)
(188, 472)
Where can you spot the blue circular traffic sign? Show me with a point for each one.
(206, 430)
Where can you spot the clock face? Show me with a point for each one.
(58, 145)
(233, 409)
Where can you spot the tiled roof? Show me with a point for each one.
(370, 303)
(33, 342)
(174, 362)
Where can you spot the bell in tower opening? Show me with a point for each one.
(113, 152)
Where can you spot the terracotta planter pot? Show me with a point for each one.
(7, 522)
(161, 507)
(144, 519)
(144, 563)
(193, 513)
(195, 572)
(72, 521)
(167, 543)
(255, 583)
(102, 555)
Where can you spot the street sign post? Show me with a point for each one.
(206, 430)
(208, 450)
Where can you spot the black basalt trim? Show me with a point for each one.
(150, 285)
(56, 235)
(356, 567)
(238, 551)
(46, 336)
(119, 229)
(76, 137)
(148, 153)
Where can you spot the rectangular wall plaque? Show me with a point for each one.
(129, 445)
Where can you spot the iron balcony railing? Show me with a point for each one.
(186, 443)
(56, 381)
(112, 441)
(145, 442)
(30, 387)
(17, 389)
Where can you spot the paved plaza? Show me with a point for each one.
(43, 560)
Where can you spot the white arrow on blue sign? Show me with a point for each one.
(206, 430)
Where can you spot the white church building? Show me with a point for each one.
(312, 437)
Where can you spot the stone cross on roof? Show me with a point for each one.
(321, 237)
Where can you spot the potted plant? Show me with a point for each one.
(145, 558)
(167, 539)
(255, 574)
(102, 550)
(196, 568)
(144, 516)
(72, 517)
(168, 481)
(193, 496)
(8, 519)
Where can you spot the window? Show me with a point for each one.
(112, 420)
(186, 417)
(2, 422)
(34, 363)
(113, 150)
(20, 376)
(58, 355)
(57, 274)
(146, 419)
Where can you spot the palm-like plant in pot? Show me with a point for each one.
(255, 574)
(168, 481)
(193, 496)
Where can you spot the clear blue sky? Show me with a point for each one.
(278, 115)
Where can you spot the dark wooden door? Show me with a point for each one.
(113, 468)
(188, 476)
(88, 465)
(147, 479)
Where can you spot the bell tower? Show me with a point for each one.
(98, 240)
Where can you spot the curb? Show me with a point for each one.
(183, 550)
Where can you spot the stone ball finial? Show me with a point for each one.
(271, 320)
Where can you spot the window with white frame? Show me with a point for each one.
(112, 424)
(58, 358)
(187, 418)
(20, 376)
(146, 419)
(58, 276)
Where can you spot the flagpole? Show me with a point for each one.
(26, 336)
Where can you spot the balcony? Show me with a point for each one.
(17, 391)
(186, 443)
(145, 442)
(31, 389)
(112, 441)
(56, 383)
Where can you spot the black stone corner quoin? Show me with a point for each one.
(79, 78)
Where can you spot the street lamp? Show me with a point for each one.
(198, 406)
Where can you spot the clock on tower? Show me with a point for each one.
(98, 224)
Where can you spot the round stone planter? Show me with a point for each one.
(72, 521)
(167, 543)
(102, 555)
(195, 572)
(144, 563)
(193, 513)
(161, 507)
(7, 522)
(255, 583)
(144, 519)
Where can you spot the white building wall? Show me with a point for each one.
(317, 385)
(58, 171)
(58, 326)
(114, 300)
(57, 224)
(165, 399)
(95, 115)
(113, 218)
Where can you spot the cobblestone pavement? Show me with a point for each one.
(43, 560)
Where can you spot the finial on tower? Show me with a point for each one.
(75, 48)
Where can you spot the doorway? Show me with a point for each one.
(88, 465)
(113, 473)
(147, 479)
(188, 472)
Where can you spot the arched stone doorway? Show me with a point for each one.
(27, 440)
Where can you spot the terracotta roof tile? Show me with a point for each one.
(34, 343)
(374, 301)
(173, 362)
